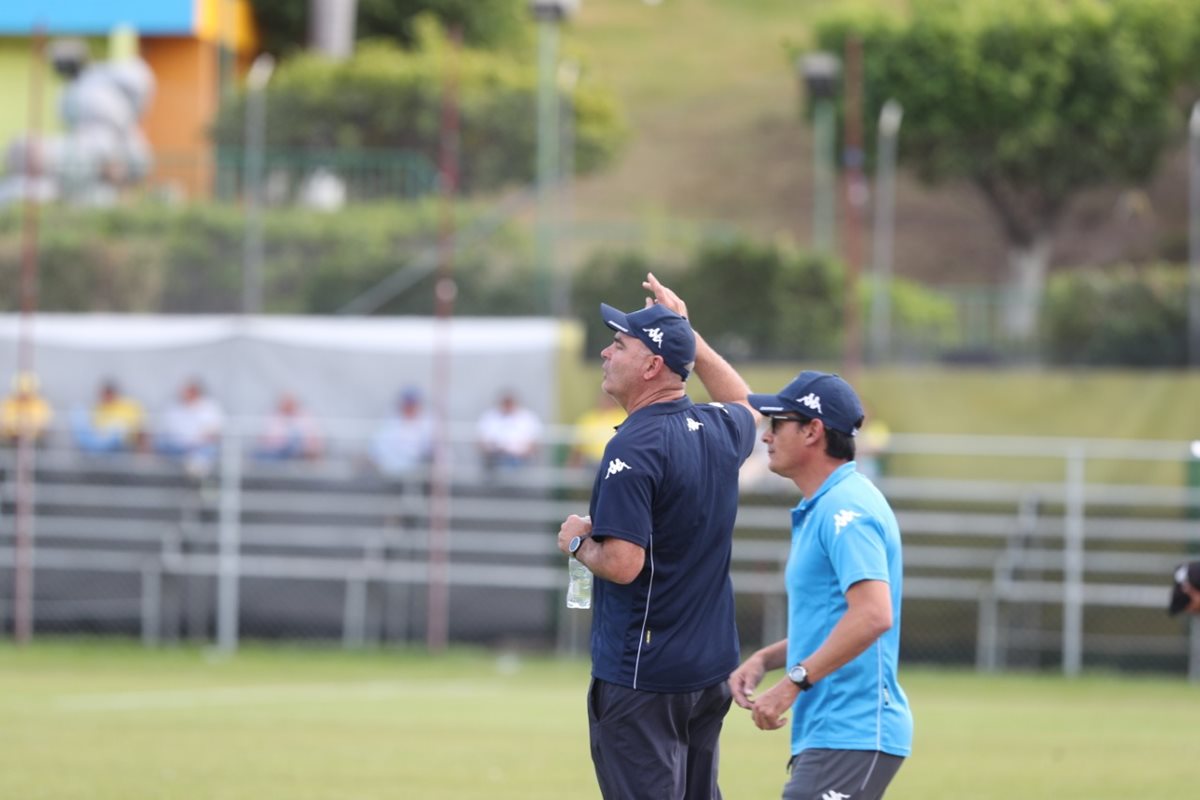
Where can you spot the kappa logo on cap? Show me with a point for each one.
(811, 401)
(832, 795)
(656, 335)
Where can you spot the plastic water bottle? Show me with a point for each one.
(579, 585)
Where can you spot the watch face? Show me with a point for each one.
(574, 545)
(798, 674)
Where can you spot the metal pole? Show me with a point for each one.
(855, 198)
(229, 542)
(1193, 668)
(26, 455)
(568, 78)
(437, 632)
(820, 75)
(256, 119)
(1073, 546)
(547, 156)
(824, 222)
(331, 29)
(1194, 236)
(885, 224)
(229, 532)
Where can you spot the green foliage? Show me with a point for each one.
(735, 289)
(614, 278)
(1033, 100)
(154, 259)
(1135, 317)
(484, 23)
(922, 321)
(389, 98)
(756, 300)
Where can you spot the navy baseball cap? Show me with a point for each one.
(666, 333)
(816, 395)
(1180, 599)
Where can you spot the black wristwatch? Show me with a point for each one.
(576, 542)
(799, 676)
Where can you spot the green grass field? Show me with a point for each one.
(102, 721)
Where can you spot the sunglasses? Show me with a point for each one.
(775, 420)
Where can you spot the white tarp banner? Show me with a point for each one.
(341, 369)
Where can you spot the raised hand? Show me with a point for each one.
(663, 295)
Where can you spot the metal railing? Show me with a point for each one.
(1032, 571)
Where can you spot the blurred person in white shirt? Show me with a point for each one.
(508, 433)
(290, 433)
(404, 442)
(190, 429)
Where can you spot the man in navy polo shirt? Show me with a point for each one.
(659, 542)
(851, 724)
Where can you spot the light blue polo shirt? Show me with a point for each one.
(845, 533)
(668, 483)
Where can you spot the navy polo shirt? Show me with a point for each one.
(669, 484)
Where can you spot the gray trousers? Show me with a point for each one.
(655, 746)
(840, 775)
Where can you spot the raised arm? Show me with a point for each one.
(722, 381)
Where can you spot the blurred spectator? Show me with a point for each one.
(115, 424)
(290, 433)
(190, 430)
(508, 433)
(1185, 591)
(593, 429)
(24, 410)
(404, 442)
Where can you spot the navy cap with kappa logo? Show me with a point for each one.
(816, 395)
(662, 330)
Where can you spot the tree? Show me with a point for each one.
(484, 23)
(390, 99)
(1032, 101)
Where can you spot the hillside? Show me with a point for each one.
(718, 137)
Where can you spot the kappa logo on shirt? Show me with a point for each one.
(693, 425)
(812, 401)
(832, 795)
(656, 335)
(843, 518)
(615, 466)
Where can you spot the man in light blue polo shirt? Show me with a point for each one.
(851, 724)
(659, 542)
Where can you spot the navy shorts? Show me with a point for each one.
(656, 746)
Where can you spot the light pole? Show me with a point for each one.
(229, 532)
(568, 79)
(550, 15)
(252, 245)
(331, 27)
(885, 224)
(821, 73)
(1194, 237)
